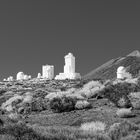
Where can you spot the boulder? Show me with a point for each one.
(82, 105)
(125, 113)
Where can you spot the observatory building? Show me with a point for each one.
(22, 76)
(47, 72)
(69, 69)
(122, 73)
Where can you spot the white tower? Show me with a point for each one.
(69, 64)
(69, 69)
(48, 72)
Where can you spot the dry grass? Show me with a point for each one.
(94, 126)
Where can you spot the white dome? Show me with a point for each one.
(20, 76)
(25, 77)
(120, 69)
(69, 55)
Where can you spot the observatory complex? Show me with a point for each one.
(48, 72)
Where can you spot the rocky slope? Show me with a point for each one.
(108, 70)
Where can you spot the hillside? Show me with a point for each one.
(108, 70)
(26, 111)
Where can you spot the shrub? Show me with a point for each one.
(81, 84)
(12, 101)
(91, 89)
(40, 93)
(124, 113)
(119, 130)
(135, 99)
(25, 109)
(39, 104)
(92, 84)
(90, 93)
(7, 137)
(14, 117)
(62, 104)
(129, 137)
(123, 102)
(21, 132)
(52, 95)
(82, 105)
(2, 91)
(76, 96)
(93, 126)
(121, 90)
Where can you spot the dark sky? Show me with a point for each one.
(37, 32)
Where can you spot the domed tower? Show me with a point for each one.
(20, 76)
(121, 72)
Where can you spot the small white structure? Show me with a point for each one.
(122, 74)
(4, 79)
(69, 69)
(10, 78)
(27, 77)
(48, 72)
(20, 76)
(39, 76)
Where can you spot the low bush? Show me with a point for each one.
(123, 102)
(119, 91)
(119, 130)
(39, 104)
(21, 132)
(91, 89)
(92, 84)
(14, 117)
(129, 137)
(7, 137)
(2, 91)
(52, 95)
(40, 93)
(93, 127)
(135, 99)
(62, 104)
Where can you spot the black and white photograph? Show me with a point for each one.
(69, 70)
